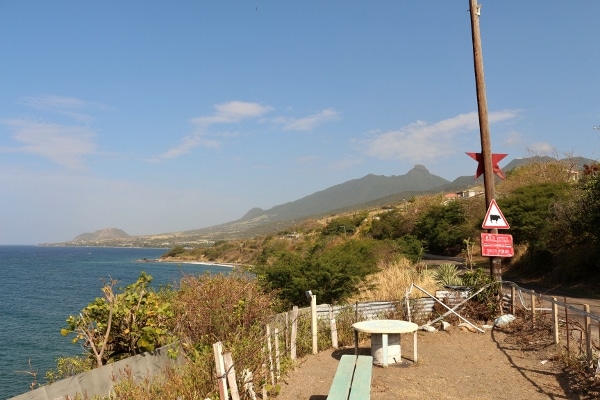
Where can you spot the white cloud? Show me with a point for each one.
(187, 144)
(541, 149)
(421, 141)
(226, 113)
(232, 112)
(64, 145)
(309, 122)
(67, 106)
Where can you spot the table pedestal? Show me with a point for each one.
(392, 348)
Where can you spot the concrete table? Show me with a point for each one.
(385, 339)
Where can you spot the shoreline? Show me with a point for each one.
(209, 263)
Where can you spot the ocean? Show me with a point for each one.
(41, 286)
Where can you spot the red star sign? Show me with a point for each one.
(495, 160)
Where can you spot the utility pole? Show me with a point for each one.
(484, 129)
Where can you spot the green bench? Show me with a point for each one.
(352, 380)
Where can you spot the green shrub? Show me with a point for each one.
(69, 366)
(123, 324)
(443, 228)
(448, 275)
(489, 298)
(175, 251)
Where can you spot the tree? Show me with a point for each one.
(94, 323)
(443, 228)
(410, 247)
(337, 272)
(590, 212)
(121, 325)
(345, 225)
(390, 225)
(175, 251)
(331, 270)
(574, 232)
(529, 209)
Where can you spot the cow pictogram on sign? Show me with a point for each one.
(494, 219)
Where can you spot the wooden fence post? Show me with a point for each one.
(555, 325)
(231, 379)
(287, 331)
(270, 350)
(220, 368)
(265, 394)
(294, 333)
(334, 336)
(588, 334)
(567, 327)
(513, 295)
(533, 307)
(277, 356)
(313, 312)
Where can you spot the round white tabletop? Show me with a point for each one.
(385, 326)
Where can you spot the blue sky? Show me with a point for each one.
(156, 116)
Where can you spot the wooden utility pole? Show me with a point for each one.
(484, 129)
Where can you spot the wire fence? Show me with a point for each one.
(575, 325)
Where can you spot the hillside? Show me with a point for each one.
(102, 234)
(369, 191)
(351, 193)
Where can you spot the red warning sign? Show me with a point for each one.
(494, 219)
(497, 245)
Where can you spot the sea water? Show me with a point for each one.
(41, 286)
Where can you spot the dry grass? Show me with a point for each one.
(393, 280)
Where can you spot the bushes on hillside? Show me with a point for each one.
(210, 308)
(530, 208)
(391, 225)
(330, 269)
(345, 225)
(443, 228)
(559, 222)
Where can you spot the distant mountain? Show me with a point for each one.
(367, 192)
(102, 234)
(573, 162)
(350, 193)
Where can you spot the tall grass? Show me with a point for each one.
(394, 280)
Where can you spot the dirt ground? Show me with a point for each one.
(453, 364)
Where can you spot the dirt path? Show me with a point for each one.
(452, 365)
